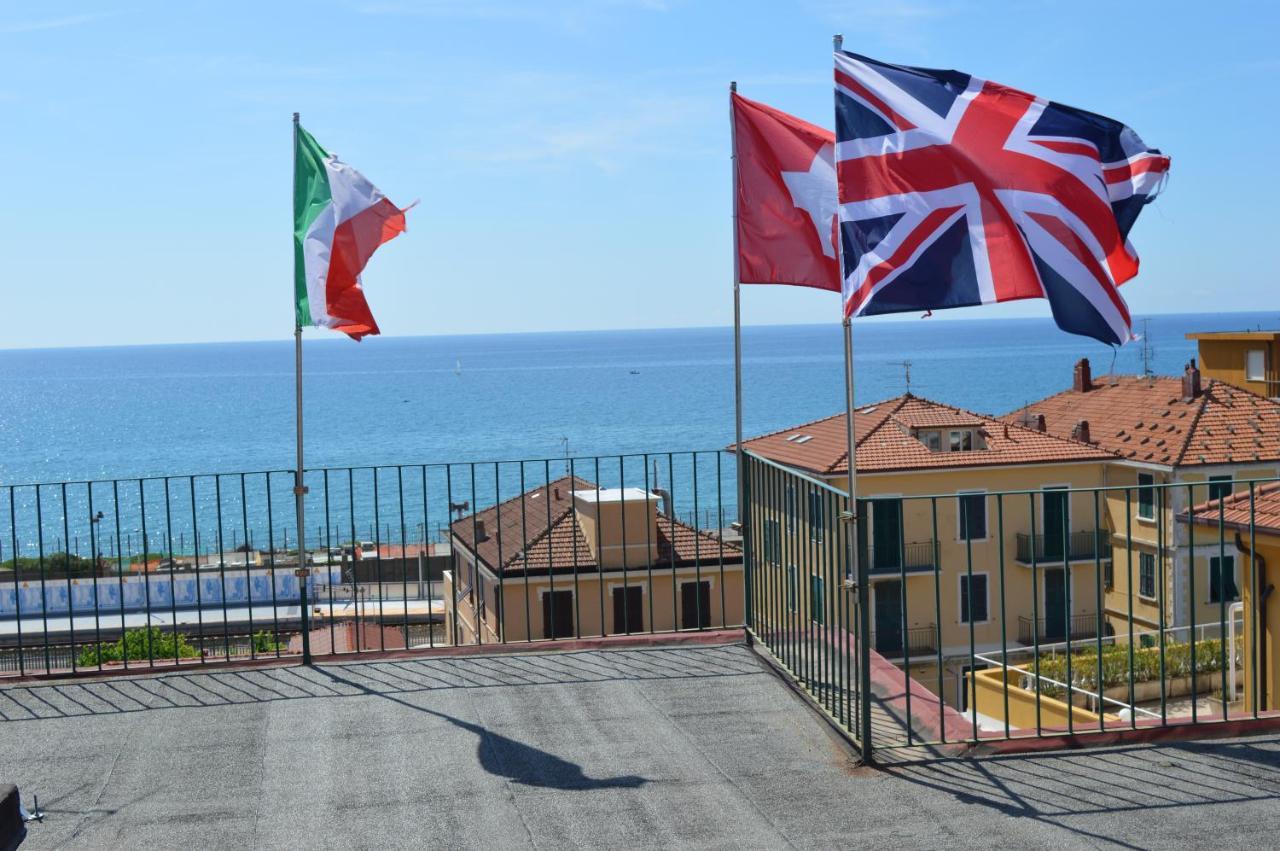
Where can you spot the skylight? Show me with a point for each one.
(799, 438)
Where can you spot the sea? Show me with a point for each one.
(100, 413)
(414, 413)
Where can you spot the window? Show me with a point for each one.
(1146, 496)
(973, 516)
(1219, 486)
(961, 441)
(1222, 577)
(817, 516)
(1108, 575)
(1255, 365)
(791, 507)
(932, 440)
(817, 600)
(791, 588)
(772, 542)
(973, 598)
(1147, 575)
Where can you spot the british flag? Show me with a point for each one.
(957, 191)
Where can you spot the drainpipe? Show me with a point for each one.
(1262, 591)
(1232, 610)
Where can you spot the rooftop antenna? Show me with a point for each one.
(1148, 353)
(906, 372)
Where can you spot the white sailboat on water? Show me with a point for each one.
(457, 369)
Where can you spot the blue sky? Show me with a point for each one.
(570, 156)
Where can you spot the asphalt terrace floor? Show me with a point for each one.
(652, 747)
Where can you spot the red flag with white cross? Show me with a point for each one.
(786, 198)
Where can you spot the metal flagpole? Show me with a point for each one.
(299, 486)
(857, 578)
(740, 458)
(737, 306)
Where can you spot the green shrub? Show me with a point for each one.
(153, 643)
(264, 642)
(1115, 665)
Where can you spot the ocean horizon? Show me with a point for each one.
(72, 414)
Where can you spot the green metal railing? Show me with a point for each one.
(900, 664)
(186, 570)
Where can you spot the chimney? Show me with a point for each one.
(1191, 381)
(1082, 380)
(1040, 423)
(556, 491)
(481, 535)
(667, 510)
(1081, 432)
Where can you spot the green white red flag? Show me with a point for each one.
(339, 220)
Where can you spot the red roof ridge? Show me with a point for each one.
(844, 456)
(812, 422)
(1195, 421)
(1065, 439)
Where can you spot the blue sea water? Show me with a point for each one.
(94, 413)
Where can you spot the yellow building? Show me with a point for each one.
(1176, 441)
(1246, 527)
(572, 559)
(1246, 359)
(939, 585)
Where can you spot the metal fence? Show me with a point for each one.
(962, 622)
(996, 638)
(188, 570)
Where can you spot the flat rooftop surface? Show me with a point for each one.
(655, 747)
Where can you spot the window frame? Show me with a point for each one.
(961, 580)
(1142, 556)
(1149, 491)
(817, 530)
(1215, 579)
(959, 436)
(817, 593)
(772, 542)
(932, 440)
(960, 530)
(1261, 375)
(1217, 492)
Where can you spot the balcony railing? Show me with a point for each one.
(1048, 549)
(1055, 629)
(920, 640)
(915, 557)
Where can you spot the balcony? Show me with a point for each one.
(1081, 546)
(888, 561)
(921, 640)
(1055, 628)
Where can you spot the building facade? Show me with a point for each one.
(572, 559)
(974, 539)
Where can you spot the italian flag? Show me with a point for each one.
(339, 220)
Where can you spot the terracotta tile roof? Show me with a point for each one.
(552, 536)
(1235, 510)
(886, 442)
(1147, 419)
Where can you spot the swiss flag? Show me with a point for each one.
(786, 201)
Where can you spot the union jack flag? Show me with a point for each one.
(957, 191)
